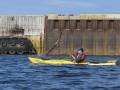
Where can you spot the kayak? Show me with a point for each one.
(69, 62)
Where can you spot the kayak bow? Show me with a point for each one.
(67, 62)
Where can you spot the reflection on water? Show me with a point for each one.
(17, 73)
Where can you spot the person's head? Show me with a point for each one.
(80, 50)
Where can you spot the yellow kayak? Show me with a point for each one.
(67, 62)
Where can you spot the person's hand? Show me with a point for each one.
(74, 61)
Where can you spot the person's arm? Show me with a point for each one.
(73, 57)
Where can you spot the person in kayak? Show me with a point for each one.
(78, 55)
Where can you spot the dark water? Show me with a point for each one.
(17, 73)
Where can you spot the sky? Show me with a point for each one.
(66, 7)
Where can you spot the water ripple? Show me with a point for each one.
(17, 73)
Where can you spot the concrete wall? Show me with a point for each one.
(85, 17)
(31, 27)
(99, 36)
(38, 43)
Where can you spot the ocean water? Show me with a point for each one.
(17, 73)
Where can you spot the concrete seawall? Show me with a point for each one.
(31, 27)
(38, 43)
(99, 34)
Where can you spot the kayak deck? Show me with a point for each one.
(67, 62)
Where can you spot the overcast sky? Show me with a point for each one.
(43, 7)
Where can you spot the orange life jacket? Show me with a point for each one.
(83, 56)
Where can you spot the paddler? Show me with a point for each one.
(78, 55)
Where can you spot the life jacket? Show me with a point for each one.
(82, 57)
(75, 53)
